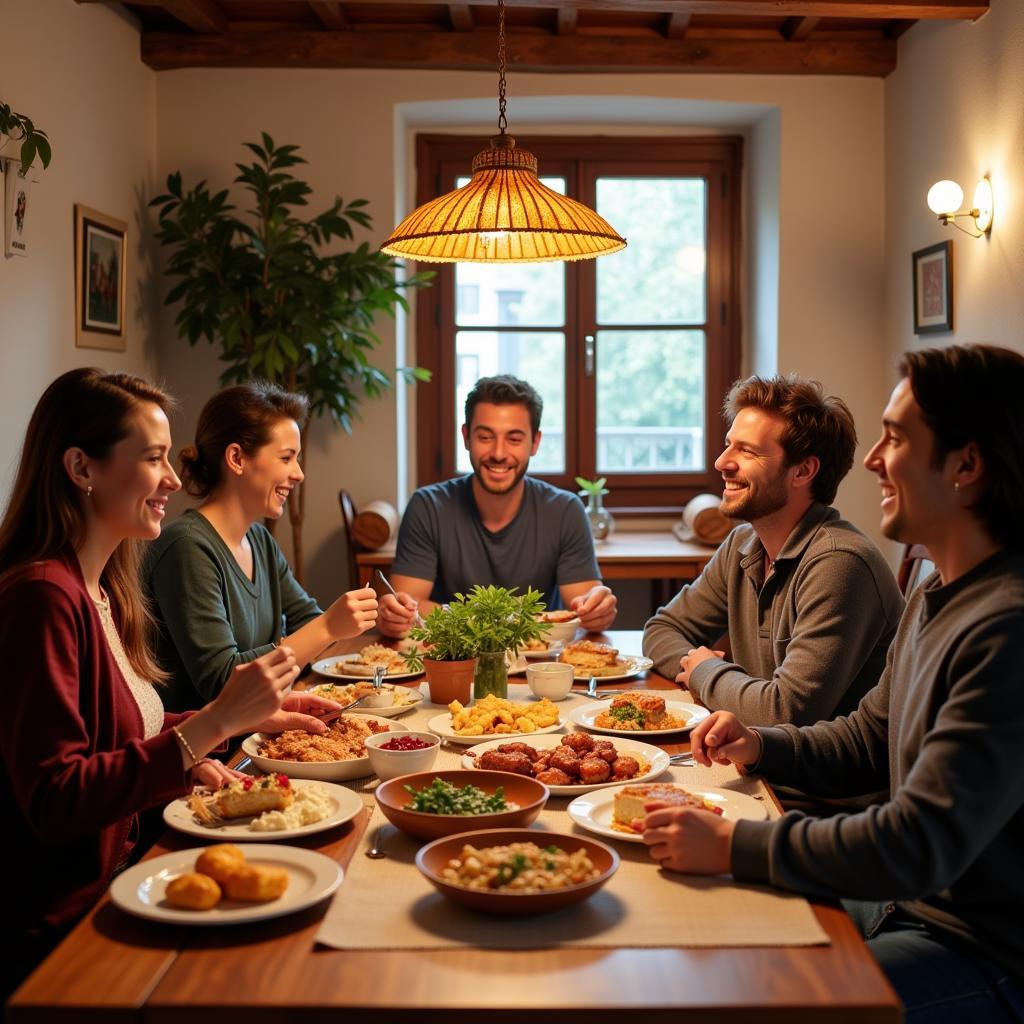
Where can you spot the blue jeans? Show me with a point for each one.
(937, 980)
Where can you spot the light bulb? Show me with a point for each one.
(945, 197)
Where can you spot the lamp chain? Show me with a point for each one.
(502, 120)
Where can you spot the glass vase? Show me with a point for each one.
(491, 675)
(602, 523)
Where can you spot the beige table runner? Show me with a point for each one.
(387, 904)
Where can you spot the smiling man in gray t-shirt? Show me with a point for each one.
(496, 526)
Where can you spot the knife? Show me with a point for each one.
(418, 619)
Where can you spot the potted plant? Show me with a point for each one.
(281, 307)
(474, 632)
(602, 525)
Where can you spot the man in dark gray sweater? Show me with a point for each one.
(943, 730)
(809, 602)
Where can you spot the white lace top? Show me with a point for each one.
(150, 706)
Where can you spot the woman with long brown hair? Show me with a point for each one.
(223, 591)
(84, 739)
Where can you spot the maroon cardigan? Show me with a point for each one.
(76, 768)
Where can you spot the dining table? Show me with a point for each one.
(116, 967)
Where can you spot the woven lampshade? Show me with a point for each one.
(503, 214)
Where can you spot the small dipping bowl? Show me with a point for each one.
(389, 764)
(551, 679)
(562, 631)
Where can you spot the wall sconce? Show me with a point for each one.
(946, 197)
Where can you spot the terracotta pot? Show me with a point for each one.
(449, 680)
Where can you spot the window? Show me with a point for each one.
(632, 353)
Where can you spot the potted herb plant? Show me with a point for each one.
(476, 630)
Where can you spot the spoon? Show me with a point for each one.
(591, 690)
(375, 852)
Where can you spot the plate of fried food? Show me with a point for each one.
(390, 701)
(639, 711)
(495, 716)
(611, 811)
(337, 755)
(590, 658)
(571, 764)
(225, 884)
(361, 664)
(263, 808)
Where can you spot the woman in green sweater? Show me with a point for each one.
(222, 589)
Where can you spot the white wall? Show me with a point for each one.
(961, 126)
(831, 281)
(75, 71)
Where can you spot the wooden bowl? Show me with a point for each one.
(434, 857)
(528, 793)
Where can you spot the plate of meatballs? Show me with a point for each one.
(567, 765)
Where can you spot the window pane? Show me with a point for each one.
(660, 276)
(650, 401)
(538, 358)
(532, 294)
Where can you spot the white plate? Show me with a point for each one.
(585, 715)
(323, 668)
(387, 712)
(441, 725)
(654, 756)
(345, 805)
(320, 771)
(311, 878)
(593, 811)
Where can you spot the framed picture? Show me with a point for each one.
(101, 257)
(933, 288)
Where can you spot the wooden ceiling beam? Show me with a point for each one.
(677, 25)
(475, 51)
(968, 10)
(198, 15)
(461, 17)
(897, 27)
(332, 14)
(796, 29)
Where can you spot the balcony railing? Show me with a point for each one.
(624, 450)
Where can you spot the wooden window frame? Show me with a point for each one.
(441, 158)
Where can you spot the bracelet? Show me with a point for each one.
(186, 746)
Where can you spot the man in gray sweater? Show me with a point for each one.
(809, 603)
(943, 730)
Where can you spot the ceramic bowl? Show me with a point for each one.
(388, 764)
(564, 632)
(321, 771)
(528, 793)
(551, 679)
(434, 857)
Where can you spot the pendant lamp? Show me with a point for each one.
(503, 214)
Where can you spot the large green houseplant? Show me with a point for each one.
(272, 290)
(481, 625)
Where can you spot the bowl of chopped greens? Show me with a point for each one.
(516, 871)
(433, 804)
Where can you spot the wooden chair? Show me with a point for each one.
(348, 515)
(916, 564)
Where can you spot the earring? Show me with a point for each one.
(88, 491)
(956, 485)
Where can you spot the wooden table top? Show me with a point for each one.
(117, 968)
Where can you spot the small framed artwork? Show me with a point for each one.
(101, 276)
(933, 288)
